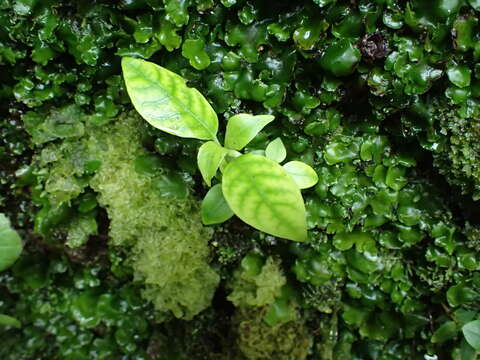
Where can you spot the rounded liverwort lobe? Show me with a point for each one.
(340, 58)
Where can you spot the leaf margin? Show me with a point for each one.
(307, 168)
(214, 152)
(243, 127)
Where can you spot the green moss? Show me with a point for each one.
(451, 132)
(252, 287)
(168, 246)
(173, 263)
(256, 340)
(382, 241)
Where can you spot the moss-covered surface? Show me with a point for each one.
(381, 97)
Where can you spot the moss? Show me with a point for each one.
(451, 132)
(257, 289)
(256, 340)
(173, 263)
(473, 236)
(66, 161)
(460, 161)
(166, 242)
(170, 246)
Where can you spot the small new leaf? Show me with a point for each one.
(471, 331)
(242, 128)
(209, 158)
(10, 244)
(276, 150)
(166, 102)
(303, 174)
(262, 194)
(215, 209)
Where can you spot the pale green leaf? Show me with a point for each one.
(262, 194)
(276, 151)
(10, 244)
(242, 128)
(165, 101)
(303, 174)
(471, 331)
(209, 157)
(9, 321)
(215, 209)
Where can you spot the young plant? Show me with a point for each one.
(254, 187)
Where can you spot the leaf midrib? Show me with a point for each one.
(177, 102)
(280, 216)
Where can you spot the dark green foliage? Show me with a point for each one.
(71, 312)
(380, 97)
(452, 133)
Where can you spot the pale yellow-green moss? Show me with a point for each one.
(167, 243)
(260, 289)
(255, 340)
(257, 290)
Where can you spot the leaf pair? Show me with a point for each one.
(167, 103)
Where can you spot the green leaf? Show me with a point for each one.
(209, 158)
(471, 331)
(303, 174)
(242, 128)
(340, 58)
(461, 293)
(165, 101)
(262, 194)
(177, 11)
(459, 75)
(194, 50)
(276, 151)
(171, 185)
(215, 209)
(10, 244)
(396, 178)
(467, 352)
(9, 321)
(445, 332)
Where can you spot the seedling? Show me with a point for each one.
(256, 188)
